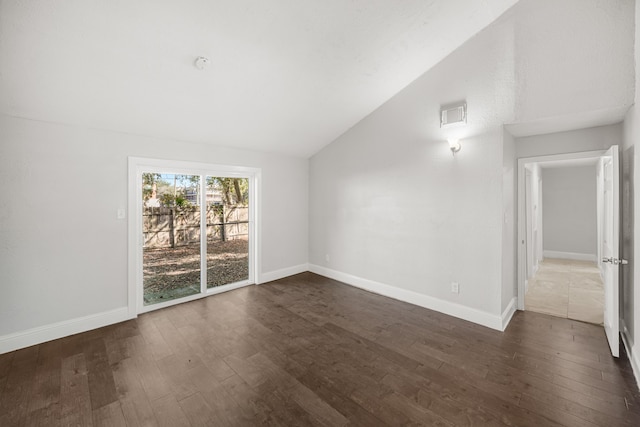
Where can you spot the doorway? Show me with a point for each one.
(193, 231)
(563, 277)
(607, 229)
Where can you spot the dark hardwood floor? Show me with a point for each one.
(307, 350)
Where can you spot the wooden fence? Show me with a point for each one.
(173, 227)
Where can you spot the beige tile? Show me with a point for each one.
(587, 281)
(558, 309)
(586, 305)
(552, 267)
(550, 287)
(554, 276)
(586, 270)
(586, 316)
(544, 309)
(567, 288)
(586, 297)
(581, 264)
(555, 261)
(548, 297)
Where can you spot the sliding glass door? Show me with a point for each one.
(196, 230)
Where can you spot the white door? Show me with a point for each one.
(611, 245)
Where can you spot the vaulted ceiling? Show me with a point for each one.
(285, 76)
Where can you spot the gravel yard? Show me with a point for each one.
(168, 271)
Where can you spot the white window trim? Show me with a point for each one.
(138, 165)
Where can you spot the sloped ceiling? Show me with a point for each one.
(574, 64)
(285, 76)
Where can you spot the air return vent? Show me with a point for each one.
(453, 115)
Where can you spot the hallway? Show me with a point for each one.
(567, 288)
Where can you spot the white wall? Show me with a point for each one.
(590, 139)
(569, 213)
(63, 253)
(396, 213)
(509, 224)
(391, 211)
(630, 289)
(627, 195)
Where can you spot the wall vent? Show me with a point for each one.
(453, 115)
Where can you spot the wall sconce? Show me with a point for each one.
(454, 145)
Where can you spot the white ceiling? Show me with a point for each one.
(574, 64)
(285, 76)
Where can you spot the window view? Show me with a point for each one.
(172, 229)
(227, 230)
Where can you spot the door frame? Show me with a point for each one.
(138, 165)
(522, 222)
(531, 260)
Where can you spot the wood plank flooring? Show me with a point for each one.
(307, 350)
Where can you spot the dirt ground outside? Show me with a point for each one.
(170, 273)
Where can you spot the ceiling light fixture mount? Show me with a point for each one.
(201, 62)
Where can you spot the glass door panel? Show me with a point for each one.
(171, 236)
(227, 202)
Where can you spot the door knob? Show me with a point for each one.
(615, 261)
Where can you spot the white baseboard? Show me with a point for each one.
(570, 255)
(450, 308)
(38, 335)
(65, 328)
(634, 357)
(62, 329)
(282, 273)
(508, 313)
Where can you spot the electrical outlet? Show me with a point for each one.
(327, 258)
(455, 288)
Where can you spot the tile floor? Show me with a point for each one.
(567, 288)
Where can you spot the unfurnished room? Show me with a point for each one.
(319, 212)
